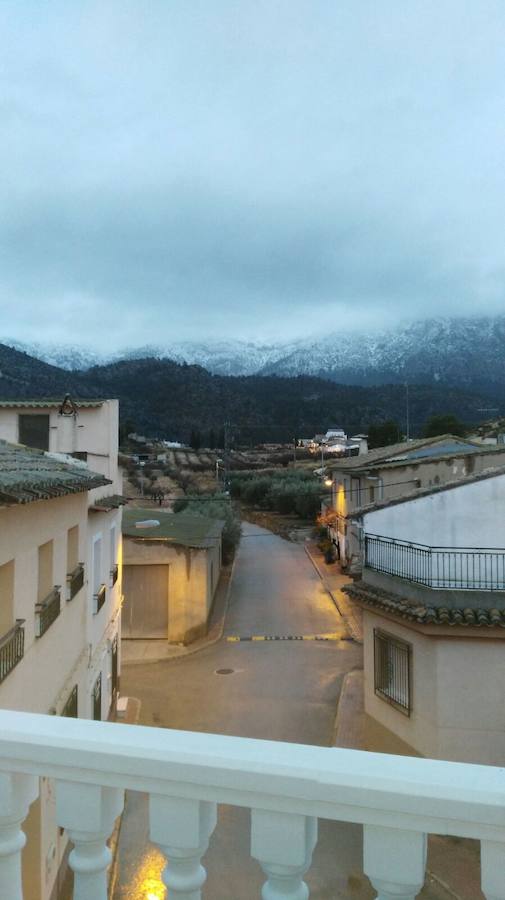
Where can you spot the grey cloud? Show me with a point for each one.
(251, 168)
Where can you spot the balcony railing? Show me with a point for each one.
(287, 787)
(12, 648)
(99, 599)
(47, 611)
(75, 581)
(441, 568)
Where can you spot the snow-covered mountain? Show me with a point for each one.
(460, 351)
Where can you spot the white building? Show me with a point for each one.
(433, 600)
(73, 542)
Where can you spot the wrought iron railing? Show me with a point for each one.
(47, 611)
(75, 581)
(392, 670)
(114, 574)
(99, 598)
(12, 648)
(449, 568)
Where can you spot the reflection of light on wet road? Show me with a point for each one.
(147, 883)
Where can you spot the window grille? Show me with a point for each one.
(392, 671)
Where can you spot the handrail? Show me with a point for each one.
(5, 638)
(465, 549)
(340, 784)
(440, 568)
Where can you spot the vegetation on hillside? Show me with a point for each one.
(161, 398)
(284, 491)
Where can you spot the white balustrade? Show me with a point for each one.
(394, 861)
(398, 800)
(17, 793)
(88, 813)
(283, 844)
(182, 828)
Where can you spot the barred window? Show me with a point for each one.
(392, 670)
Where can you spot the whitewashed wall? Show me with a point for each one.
(470, 515)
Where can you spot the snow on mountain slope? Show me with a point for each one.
(457, 350)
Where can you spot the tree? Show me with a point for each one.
(195, 439)
(446, 424)
(383, 434)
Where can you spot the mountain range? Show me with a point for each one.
(160, 397)
(467, 352)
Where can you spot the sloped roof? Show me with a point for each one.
(27, 475)
(423, 614)
(45, 404)
(406, 449)
(181, 528)
(492, 472)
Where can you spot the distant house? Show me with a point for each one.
(171, 568)
(392, 472)
(433, 598)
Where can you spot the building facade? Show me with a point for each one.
(65, 549)
(433, 598)
(389, 473)
(171, 568)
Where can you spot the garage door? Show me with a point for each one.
(145, 608)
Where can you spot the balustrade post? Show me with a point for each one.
(17, 793)
(492, 865)
(283, 844)
(88, 813)
(394, 860)
(182, 828)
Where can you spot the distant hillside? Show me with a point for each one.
(161, 397)
(461, 352)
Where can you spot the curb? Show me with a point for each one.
(345, 617)
(204, 642)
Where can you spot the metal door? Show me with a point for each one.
(145, 608)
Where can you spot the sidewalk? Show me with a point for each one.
(333, 580)
(137, 651)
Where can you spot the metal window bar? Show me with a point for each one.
(12, 648)
(99, 598)
(392, 671)
(47, 611)
(75, 581)
(442, 568)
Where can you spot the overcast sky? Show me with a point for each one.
(262, 169)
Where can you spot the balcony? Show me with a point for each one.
(75, 581)
(12, 647)
(440, 568)
(99, 599)
(287, 787)
(47, 611)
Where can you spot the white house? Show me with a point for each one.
(84, 436)
(433, 598)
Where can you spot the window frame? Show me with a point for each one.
(393, 670)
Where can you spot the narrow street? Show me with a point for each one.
(277, 689)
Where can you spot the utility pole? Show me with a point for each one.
(408, 409)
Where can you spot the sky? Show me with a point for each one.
(260, 169)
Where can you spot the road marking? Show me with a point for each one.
(284, 637)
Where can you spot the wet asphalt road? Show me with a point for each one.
(278, 690)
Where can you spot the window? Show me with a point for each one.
(6, 597)
(72, 549)
(112, 546)
(69, 711)
(45, 577)
(392, 670)
(97, 699)
(97, 565)
(34, 430)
